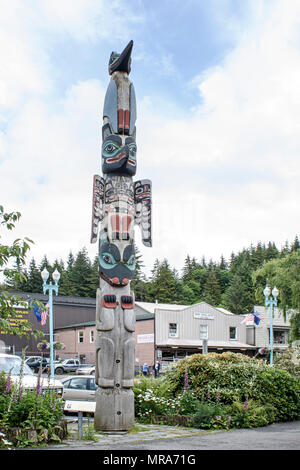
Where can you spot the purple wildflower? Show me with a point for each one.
(7, 388)
(186, 382)
(246, 404)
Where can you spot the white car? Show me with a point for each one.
(85, 369)
(80, 388)
(12, 364)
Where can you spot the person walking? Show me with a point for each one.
(156, 368)
(145, 369)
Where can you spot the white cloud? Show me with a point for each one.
(218, 173)
(246, 127)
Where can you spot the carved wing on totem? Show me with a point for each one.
(97, 215)
(142, 199)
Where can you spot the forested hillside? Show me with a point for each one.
(235, 284)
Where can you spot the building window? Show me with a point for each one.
(80, 336)
(92, 338)
(173, 329)
(232, 332)
(203, 332)
(280, 336)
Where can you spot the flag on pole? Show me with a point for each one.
(44, 315)
(36, 311)
(40, 316)
(252, 317)
(257, 318)
(247, 318)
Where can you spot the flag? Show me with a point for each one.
(40, 316)
(247, 318)
(36, 311)
(257, 318)
(44, 315)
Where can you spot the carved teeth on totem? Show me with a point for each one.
(127, 301)
(109, 301)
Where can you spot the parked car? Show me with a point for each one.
(34, 362)
(12, 365)
(68, 365)
(80, 388)
(85, 369)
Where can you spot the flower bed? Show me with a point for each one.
(219, 391)
(29, 417)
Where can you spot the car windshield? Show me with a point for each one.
(13, 365)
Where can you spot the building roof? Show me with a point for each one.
(57, 299)
(151, 306)
(223, 310)
(77, 325)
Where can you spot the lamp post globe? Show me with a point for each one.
(45, 274)
(275, 292)
(267, 291)
(56, 276)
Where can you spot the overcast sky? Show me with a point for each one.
(218, 128)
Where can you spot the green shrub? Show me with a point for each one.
(229, 377)
(254, 415)
(210, 415)
(279, 388)
(214, 389)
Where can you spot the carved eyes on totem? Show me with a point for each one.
(132, 150)
(108, 261)
(111, 148)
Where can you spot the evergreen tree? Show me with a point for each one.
(70, 262)
(239, 297)
(285, 249)
(65, 287)
(80, 274)
(165, 286)
(212, 291)
(93, 278)
(34, 279)
(223, 264)
(187, 268)
(271, 252)
(45, 264)
(296, 244)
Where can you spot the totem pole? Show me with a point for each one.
(118, 204)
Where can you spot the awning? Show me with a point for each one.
(210, 343)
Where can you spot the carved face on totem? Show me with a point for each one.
(117, 263)
(118, 153)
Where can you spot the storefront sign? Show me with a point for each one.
(146, 338)
(204, 316)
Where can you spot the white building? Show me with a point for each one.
(181, 331)
(259, 335)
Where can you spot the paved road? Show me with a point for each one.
(282, 436)
(279, 436)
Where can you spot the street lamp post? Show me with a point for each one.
(271, 302)
(50, 287)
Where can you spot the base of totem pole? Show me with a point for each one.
(114, 409)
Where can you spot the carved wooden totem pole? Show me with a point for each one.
(118, 204)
